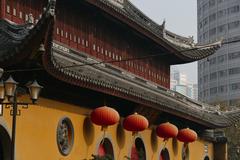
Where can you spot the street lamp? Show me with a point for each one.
(34, 90)
(9, 89)
(2, 93)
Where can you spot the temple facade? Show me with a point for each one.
(93, 53)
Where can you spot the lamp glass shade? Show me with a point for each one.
(10, 86)
(34, 90)
(2, 91)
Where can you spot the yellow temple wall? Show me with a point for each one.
(37, 129)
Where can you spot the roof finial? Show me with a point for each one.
(163, 24)
(191, 41)
(52, 6)
(30, 21)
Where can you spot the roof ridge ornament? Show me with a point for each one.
(117, 3)
(30, 21)
(191, 41)
(164, 27)
(164, 23)
(52, 7)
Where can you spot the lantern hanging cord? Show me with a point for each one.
(119, 61)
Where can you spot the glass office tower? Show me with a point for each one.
(219, 74)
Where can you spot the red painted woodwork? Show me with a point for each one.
(187, 135)
(101, 150)
(104, 116)
(105, 148)
(84, 29)
(3, 4)
(161, 157)
(15, 10)
(8, 10)
(18, 10)
(134, 153)
(167, 130)
(135, 123)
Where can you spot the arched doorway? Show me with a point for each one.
(164, 154)
(1, 151)
(206, 158)
(105, 149)
(138, 151)
(5, 143)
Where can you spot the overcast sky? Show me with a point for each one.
(181, 18)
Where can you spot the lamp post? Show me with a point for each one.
(9, 89)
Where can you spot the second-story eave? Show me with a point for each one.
(182, 48)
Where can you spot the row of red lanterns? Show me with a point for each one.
(106, 116)
(168, 130)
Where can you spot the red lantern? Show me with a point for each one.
(167, 130)
(104, 116)
(187, 135)
(135, 123)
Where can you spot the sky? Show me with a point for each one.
(181, 18)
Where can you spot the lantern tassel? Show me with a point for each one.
(104, 129)
(134, 134)
(185, 146)
(165, 142)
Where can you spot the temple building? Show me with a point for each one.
(105, 71)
